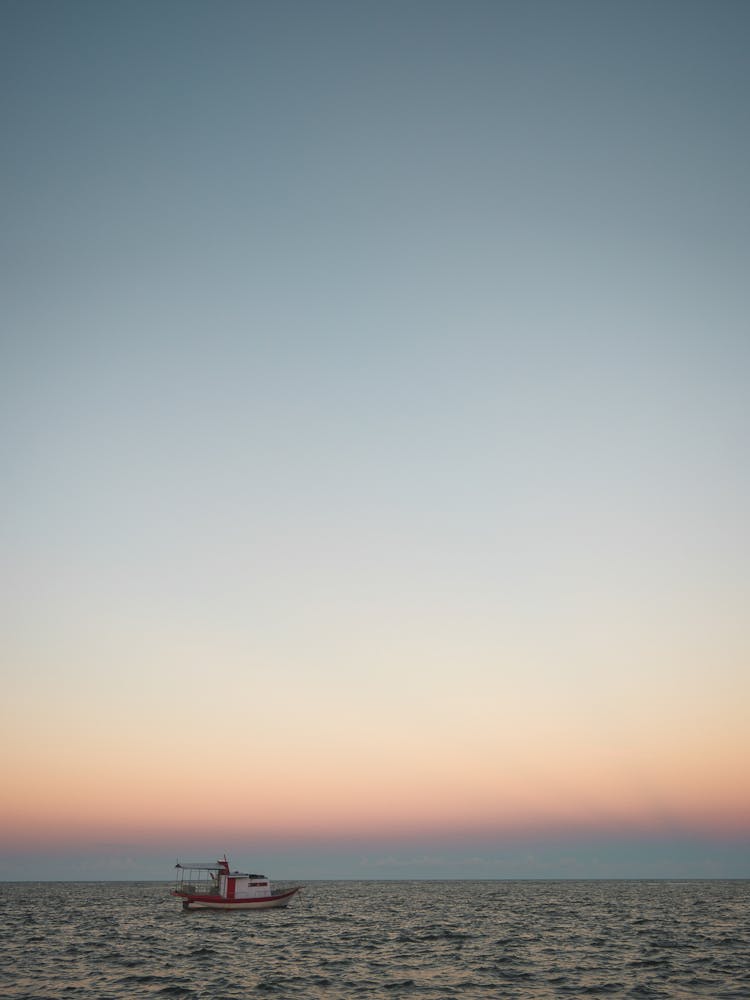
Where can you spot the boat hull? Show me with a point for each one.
(217, 903)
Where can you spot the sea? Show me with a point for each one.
(430, 940)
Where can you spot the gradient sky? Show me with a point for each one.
(374, 430)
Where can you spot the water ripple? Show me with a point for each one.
(431, 940)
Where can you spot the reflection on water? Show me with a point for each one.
(392, 939)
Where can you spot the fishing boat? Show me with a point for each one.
(205, 885)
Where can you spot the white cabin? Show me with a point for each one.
(234, 885)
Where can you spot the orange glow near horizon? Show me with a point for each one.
(78, 796)
(418, 758)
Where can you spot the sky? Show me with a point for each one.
(374, 438)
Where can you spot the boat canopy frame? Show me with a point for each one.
(200, 877)
(201, 865)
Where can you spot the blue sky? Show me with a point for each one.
(383, 368)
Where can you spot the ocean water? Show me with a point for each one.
(433, 940)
